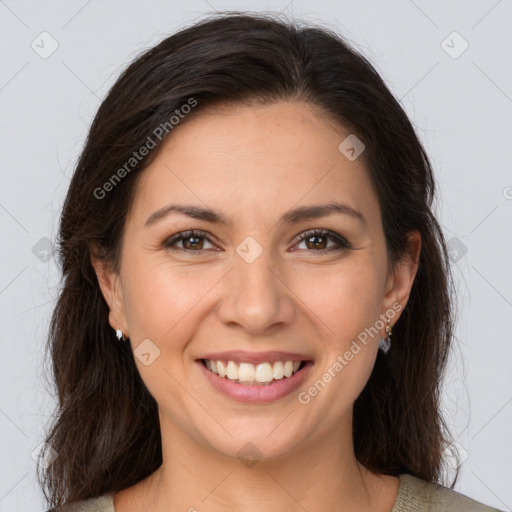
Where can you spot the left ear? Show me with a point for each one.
(400, 281)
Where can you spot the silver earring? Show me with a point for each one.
(120, 335)
(385, 343)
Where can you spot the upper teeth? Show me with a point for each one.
(247, 372)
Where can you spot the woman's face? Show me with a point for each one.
(249, 283)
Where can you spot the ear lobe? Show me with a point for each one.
(111, 289)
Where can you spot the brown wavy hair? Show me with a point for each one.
(105, 429)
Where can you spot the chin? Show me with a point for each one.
(253, 444)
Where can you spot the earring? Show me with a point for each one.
(120, 335)
(385, 343)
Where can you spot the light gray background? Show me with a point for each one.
(461, 107)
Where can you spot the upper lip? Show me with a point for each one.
(241, 356)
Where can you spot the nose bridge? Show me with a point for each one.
(255, 297)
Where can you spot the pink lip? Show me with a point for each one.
(241, 356)
(256, 394)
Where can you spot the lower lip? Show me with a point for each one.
(256, 394)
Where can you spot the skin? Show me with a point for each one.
(253, 164)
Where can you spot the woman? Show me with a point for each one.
(251, 219)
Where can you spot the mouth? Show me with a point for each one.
(249, 374)
(261, 382)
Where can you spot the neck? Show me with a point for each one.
(320, 473)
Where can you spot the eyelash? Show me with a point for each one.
(341, 242)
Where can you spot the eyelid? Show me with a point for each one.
(188, 233)
(340, 241)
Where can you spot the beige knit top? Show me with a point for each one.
(414, 495)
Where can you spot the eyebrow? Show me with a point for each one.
(294, 216)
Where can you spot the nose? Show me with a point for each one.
(256, 296)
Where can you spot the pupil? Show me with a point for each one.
(318, 237)
(195, 241)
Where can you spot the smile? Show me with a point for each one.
(249, 390)
(254, 374)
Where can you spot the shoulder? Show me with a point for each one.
(103, 503)
(421, 496)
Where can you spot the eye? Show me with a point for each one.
(192, 240)
(317, 240)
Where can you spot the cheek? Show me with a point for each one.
(346, 305)
(344, 298)
(162, 300)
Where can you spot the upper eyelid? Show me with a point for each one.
(339, 239)
(189, 233)
(297, 238)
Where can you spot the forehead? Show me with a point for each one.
(255, 162)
